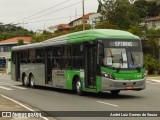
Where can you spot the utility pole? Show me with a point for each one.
(83, 14)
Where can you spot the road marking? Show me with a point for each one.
(5, 88)
(108, 103)
(151, 82)
(19, 87)
(154, 80)
(45, 118)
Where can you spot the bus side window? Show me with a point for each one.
(32, 56)
(66, 57)
(77, 56)
(57, 57)
(39, 55)
(24, 56)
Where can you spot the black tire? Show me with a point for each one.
(78, 87)
(25, 81)
(32, 81)
(115, 92)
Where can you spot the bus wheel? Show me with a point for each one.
(115, 92)
(78, 87)
(32, 82)
(25, 81)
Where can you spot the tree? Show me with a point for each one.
(105, 25)
(8, 31)
(145, 9)
(99, 6)
(20, 42)
(136, 30)
(80, 28)
(119, 12)
(141, 8)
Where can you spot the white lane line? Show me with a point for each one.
(154, 80)
(22, 105)
(5, 88)
(108, 103)
(19, 87)
(151, 82)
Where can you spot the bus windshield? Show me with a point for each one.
(127, 58)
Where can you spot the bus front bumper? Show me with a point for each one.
(110, 84)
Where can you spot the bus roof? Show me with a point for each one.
(87, 35)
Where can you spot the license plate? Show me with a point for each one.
(129, 87)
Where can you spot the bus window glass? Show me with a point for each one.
(24, 56)
(39, 55)
(66, 57)
(32, 55)
(77, 57)
(115, 57)
(135, 59)
(57, 58)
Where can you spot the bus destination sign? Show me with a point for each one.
(123, 44)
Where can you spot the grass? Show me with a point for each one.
(153, 75)
(2, 70)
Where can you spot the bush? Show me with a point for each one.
(151, 64)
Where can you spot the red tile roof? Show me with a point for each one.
(15, 40)
(86, 16)
(153, 18)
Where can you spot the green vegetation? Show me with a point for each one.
(10, 31)
(20, 42)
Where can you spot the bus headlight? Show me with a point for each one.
(107, 75)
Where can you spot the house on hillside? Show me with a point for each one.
(79, 21)
(157, 1)
(93, 18)
(61, 27)
(5, 50)
(153, 22)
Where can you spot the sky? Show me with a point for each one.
(14, 11)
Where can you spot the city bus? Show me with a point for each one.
(98, 60)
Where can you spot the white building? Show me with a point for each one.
(93, 19)
(79, 21)
(5, 51)
(153, 22)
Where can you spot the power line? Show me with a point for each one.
(49, 19)
(42, 11)
(56, 10)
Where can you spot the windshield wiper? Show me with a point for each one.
(132, 57)
(137, 67)
(121, 59)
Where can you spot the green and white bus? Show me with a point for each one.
(97, 60)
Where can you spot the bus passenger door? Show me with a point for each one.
(17, 66)
(90, 66)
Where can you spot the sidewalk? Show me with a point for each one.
(154, 78)
(10, 105)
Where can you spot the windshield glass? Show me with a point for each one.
(123, 58)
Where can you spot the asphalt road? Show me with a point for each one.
(48, 99)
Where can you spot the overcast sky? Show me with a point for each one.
(14, 10)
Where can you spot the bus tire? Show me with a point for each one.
(25, 81)
(115, 92)
(32, 81)
(78, 87)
